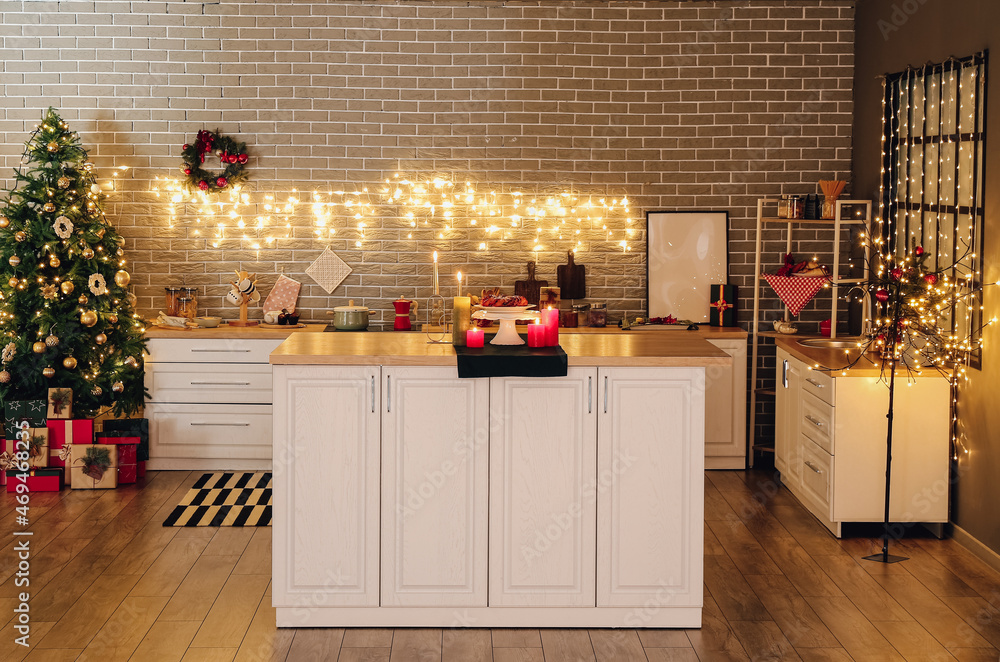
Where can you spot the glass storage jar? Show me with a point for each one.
(172, 294)
(187, 307)
(598, 314)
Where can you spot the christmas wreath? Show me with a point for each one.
(232, 154)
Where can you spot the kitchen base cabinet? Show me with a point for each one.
(591, 486)
(726, 407)
(830, 444)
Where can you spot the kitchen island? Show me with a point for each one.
(406, 496)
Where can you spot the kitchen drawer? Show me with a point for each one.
(817, 477)
(819, 384)
(817, 421)
(208, 383)
(210, 350)
(209, 431)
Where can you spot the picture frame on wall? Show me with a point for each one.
(686, 253)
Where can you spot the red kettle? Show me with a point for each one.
(403, 310)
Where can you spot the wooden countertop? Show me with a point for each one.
(835, 360)
(226, 331)
(584, 349)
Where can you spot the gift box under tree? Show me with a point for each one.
(94, 467)
(723, 305)
(17, 411)
(60, 404)
(37, 480)
(128, 466)
(130, 427)
(63, 434)
(38, 447)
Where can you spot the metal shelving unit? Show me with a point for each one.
(838, 223)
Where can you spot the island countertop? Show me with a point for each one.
(412, 349)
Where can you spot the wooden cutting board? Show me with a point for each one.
(529, 288)
(572, 279)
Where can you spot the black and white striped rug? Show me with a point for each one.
(225, 498)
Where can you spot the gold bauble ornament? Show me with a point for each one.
(100, 339)
(83, 300)
(88, 318)
(13, 282)
(131, 362)
(97, 390)
(20, 235)
(49, 372)
(49, 207)
(88, 252)
(119, 252)
(122, 278)
(120, 240)
(4, 377)
(69, 363)
(51, 340)
(67, 287)
(113, 318)
(52, 146)
(38, 347)
(64, 182)
(14, 260)
(117, 387)
(54, 261)
(4, 221)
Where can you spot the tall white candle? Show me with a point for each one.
(459, 293)
(437, 287)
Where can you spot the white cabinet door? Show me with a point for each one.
(543, 491)
(787, 416)
(435, 482)
(726, 408)
(326, 486)
(651, 453)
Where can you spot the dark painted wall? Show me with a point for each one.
(892, 34)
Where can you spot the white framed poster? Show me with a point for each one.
(686, 252)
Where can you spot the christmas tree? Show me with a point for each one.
(66, 315)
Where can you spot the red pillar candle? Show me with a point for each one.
(550, 320)
(536, 335)
(474, 337)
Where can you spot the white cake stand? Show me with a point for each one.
(507, 316)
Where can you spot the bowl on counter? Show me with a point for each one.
(208, 322)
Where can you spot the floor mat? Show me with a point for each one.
(225, 498)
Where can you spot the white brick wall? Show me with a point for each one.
(678, 105)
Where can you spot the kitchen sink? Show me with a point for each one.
(832, 343)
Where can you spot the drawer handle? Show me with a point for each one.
(813, 467)
(220, 383)
(238, 351)
(812, 420)
(227, 425)
(814, 383)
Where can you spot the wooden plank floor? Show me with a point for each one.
(110, 583)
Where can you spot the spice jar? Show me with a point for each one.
(796, 207)
(568, 319)
(783, 207)
(582, 313)
(187, 307)
(172, 295)
(598, 314)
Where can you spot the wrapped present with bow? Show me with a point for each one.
(62, 435)
(35, 480)
(60, 403)
(38, 447)
(94, 467)
(18, 411)
(723, 305)
(128, 465)
(129, 427)
(7, 463)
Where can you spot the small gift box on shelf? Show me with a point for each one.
(17, 411)
(71, 431)
(60, 403)
(130, 427)
(94, 466)
(38, 447)
(128, 469)
(723, 305)
(36, 480)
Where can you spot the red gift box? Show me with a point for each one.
(128, 470)
(39, 480)
(74, 431)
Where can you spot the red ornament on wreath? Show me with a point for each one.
(231, 154)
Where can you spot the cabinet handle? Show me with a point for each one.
(784, 373)
(210, 349)
(226, 425)
(605, 394)
(220, 383)
(589, 394)
(373, 394)
(388, 393)
(814, 383)
(813, 467)
(812, 420)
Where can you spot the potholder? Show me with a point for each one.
(284, 295)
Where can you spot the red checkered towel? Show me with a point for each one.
(796, 291)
